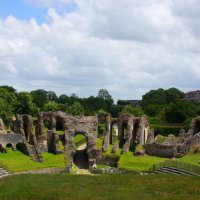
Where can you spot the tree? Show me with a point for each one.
(24, 103)
(40, 98)
(51, 106)
(8, 88)
(173, 94)
(136, 111)
(5, 111)
(155, 101)
(104, 94)
(76, 109)
(180, 111)
(51, 96)
(63, 99)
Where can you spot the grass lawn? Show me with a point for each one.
(99, 187)
(16, 161)
(138, 163)
(192, 158)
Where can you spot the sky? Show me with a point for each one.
(81, 46)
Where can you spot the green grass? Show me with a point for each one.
(138, 163)
(99, 187)
(79, 140)
(99, 143)
(60, 132)
(192, 158)
(15, 161)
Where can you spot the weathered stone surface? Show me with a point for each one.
(2, 127)
(150, 137)
(139, 153)
(11, 138)
(53, 142)
(168, 151)
(170, 140)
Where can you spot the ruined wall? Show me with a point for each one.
(2, 127)
(11, 138)
(167, 151)
(142, 132)
(194, 126)
(53, 142)
(106, 118)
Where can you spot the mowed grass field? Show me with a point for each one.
(99, 187)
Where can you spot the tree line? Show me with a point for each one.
(161, 106)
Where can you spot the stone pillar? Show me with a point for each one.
(106, 140)
(40, 125)
(53, 122)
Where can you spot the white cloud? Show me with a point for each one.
(127, 47)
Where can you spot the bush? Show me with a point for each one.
(165, 130)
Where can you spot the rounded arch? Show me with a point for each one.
(114, 132)
(81, 158)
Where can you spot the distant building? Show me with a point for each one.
(192, 96)
(128, 102)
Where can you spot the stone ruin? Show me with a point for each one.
(175, 147)
(33, 141)
(132, 131)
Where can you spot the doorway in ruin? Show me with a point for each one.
(113, 133)
(46, 124)
(134, 135)
(81, 159)
(59, 126)
(196, 127)
(123, 133)
(25, 126)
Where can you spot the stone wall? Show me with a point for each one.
(2, 127)
(167, 151)
(11, 138)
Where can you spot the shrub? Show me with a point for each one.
(165, 130)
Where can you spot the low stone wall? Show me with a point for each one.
(110, 160)
(167, 151)
(45, 171)
(11, 138)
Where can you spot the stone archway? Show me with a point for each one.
(81, 158)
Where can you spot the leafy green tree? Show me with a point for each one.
(180, 111)
(51, 106)
(51, 96)
(155, 101)
(5, 111)
(76, 109)
(104, 94)
(63, 99)
(8, 88)
(24, 103)
(137, 111)
(40, 98)
(173, 94)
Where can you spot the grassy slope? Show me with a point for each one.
(192, 158)
(138, 163)
(17, 161)
(63, 186)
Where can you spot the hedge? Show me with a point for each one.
(165, 130)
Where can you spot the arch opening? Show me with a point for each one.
(113, 133)
(134, 135)
(80, 158)
(47, 124)
(197, 127)
(123, 134)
